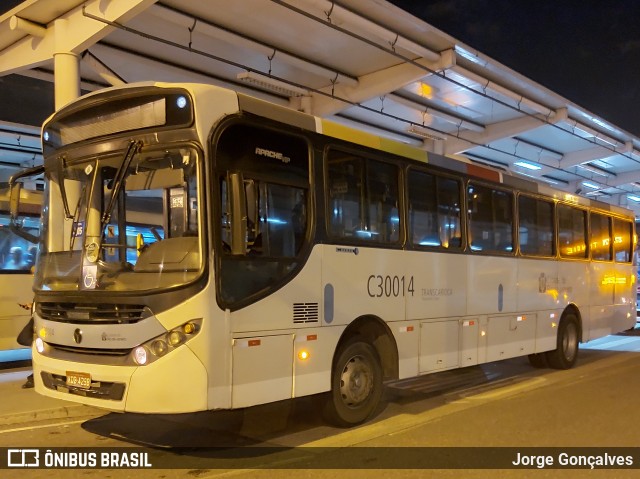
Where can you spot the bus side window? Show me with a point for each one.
(16, 253)
(600, 237)
(423, 227)
(434, 210)
(490, 219)
(535, 220)
(363, 198)
(623, 240)
(449, 212)
(572, 232)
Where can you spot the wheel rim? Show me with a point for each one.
(356, 381)
(570, 342)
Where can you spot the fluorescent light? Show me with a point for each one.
(595, 169)
(268, 83)
(588, 184)
(634, 198)
(527, 165)
(426, 132)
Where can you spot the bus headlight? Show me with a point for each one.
(140, 355)
(165, 343)
(39, 345)
(176, 338)
(159, 347)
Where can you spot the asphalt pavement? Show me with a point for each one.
(21, 406)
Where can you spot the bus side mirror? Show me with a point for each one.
(15, 189)
(238, 215)
(14, 200)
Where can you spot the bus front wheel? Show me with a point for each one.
(356, 385)
(566, 352)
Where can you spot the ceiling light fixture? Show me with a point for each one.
(527, 165)
(268, 83)
(426, 133)
(596, 170)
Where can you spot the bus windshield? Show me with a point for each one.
(131, 222)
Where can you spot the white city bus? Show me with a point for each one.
(17, 259)
(220, 252)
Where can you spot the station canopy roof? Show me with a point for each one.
(363, 63)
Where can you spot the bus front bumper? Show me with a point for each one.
(176, 383)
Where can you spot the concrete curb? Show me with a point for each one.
(63, 412)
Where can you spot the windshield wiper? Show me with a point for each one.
(133, 148)
(61, 160)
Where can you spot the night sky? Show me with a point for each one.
(587, 51)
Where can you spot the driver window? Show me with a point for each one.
(263, 179)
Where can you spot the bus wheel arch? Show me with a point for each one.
(375, 332)
(568, 338)
(363, 359)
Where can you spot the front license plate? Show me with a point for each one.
(78, 380)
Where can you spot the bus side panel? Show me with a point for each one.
(625, 298)
(491, 285)
(537, 284)
(268, 335)
(510, 336)
(439, 281)
(573, 288)
(312, 359)
(262, 370)
(602, 280)
(364, 281)
(538, 291)
(439, 345)
(438, 296)
(297, 304)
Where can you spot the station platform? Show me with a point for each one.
(20, 406)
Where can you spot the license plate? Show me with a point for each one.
(78, 380)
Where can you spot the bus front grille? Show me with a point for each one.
(91, 351)
(80, 313)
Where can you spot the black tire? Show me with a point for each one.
(538, 360)
(566, 352)
(356, 385)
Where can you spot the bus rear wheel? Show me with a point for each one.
(566, 352)
(356, 385)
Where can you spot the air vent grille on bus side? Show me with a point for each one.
(91, 313)
(305, 313)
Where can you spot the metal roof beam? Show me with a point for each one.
(75, 34)
(493, 132)
(425, 109)
(493, 89)
(106, 73)
(575, 158)
(199, 25)
(338, 15)
(378, 83)
(621, 179)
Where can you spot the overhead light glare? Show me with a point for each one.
(426, 132)
(527, 165)
(268, 83)
(634, 198)
(555, 180)
(593, 186)
(596, 170)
